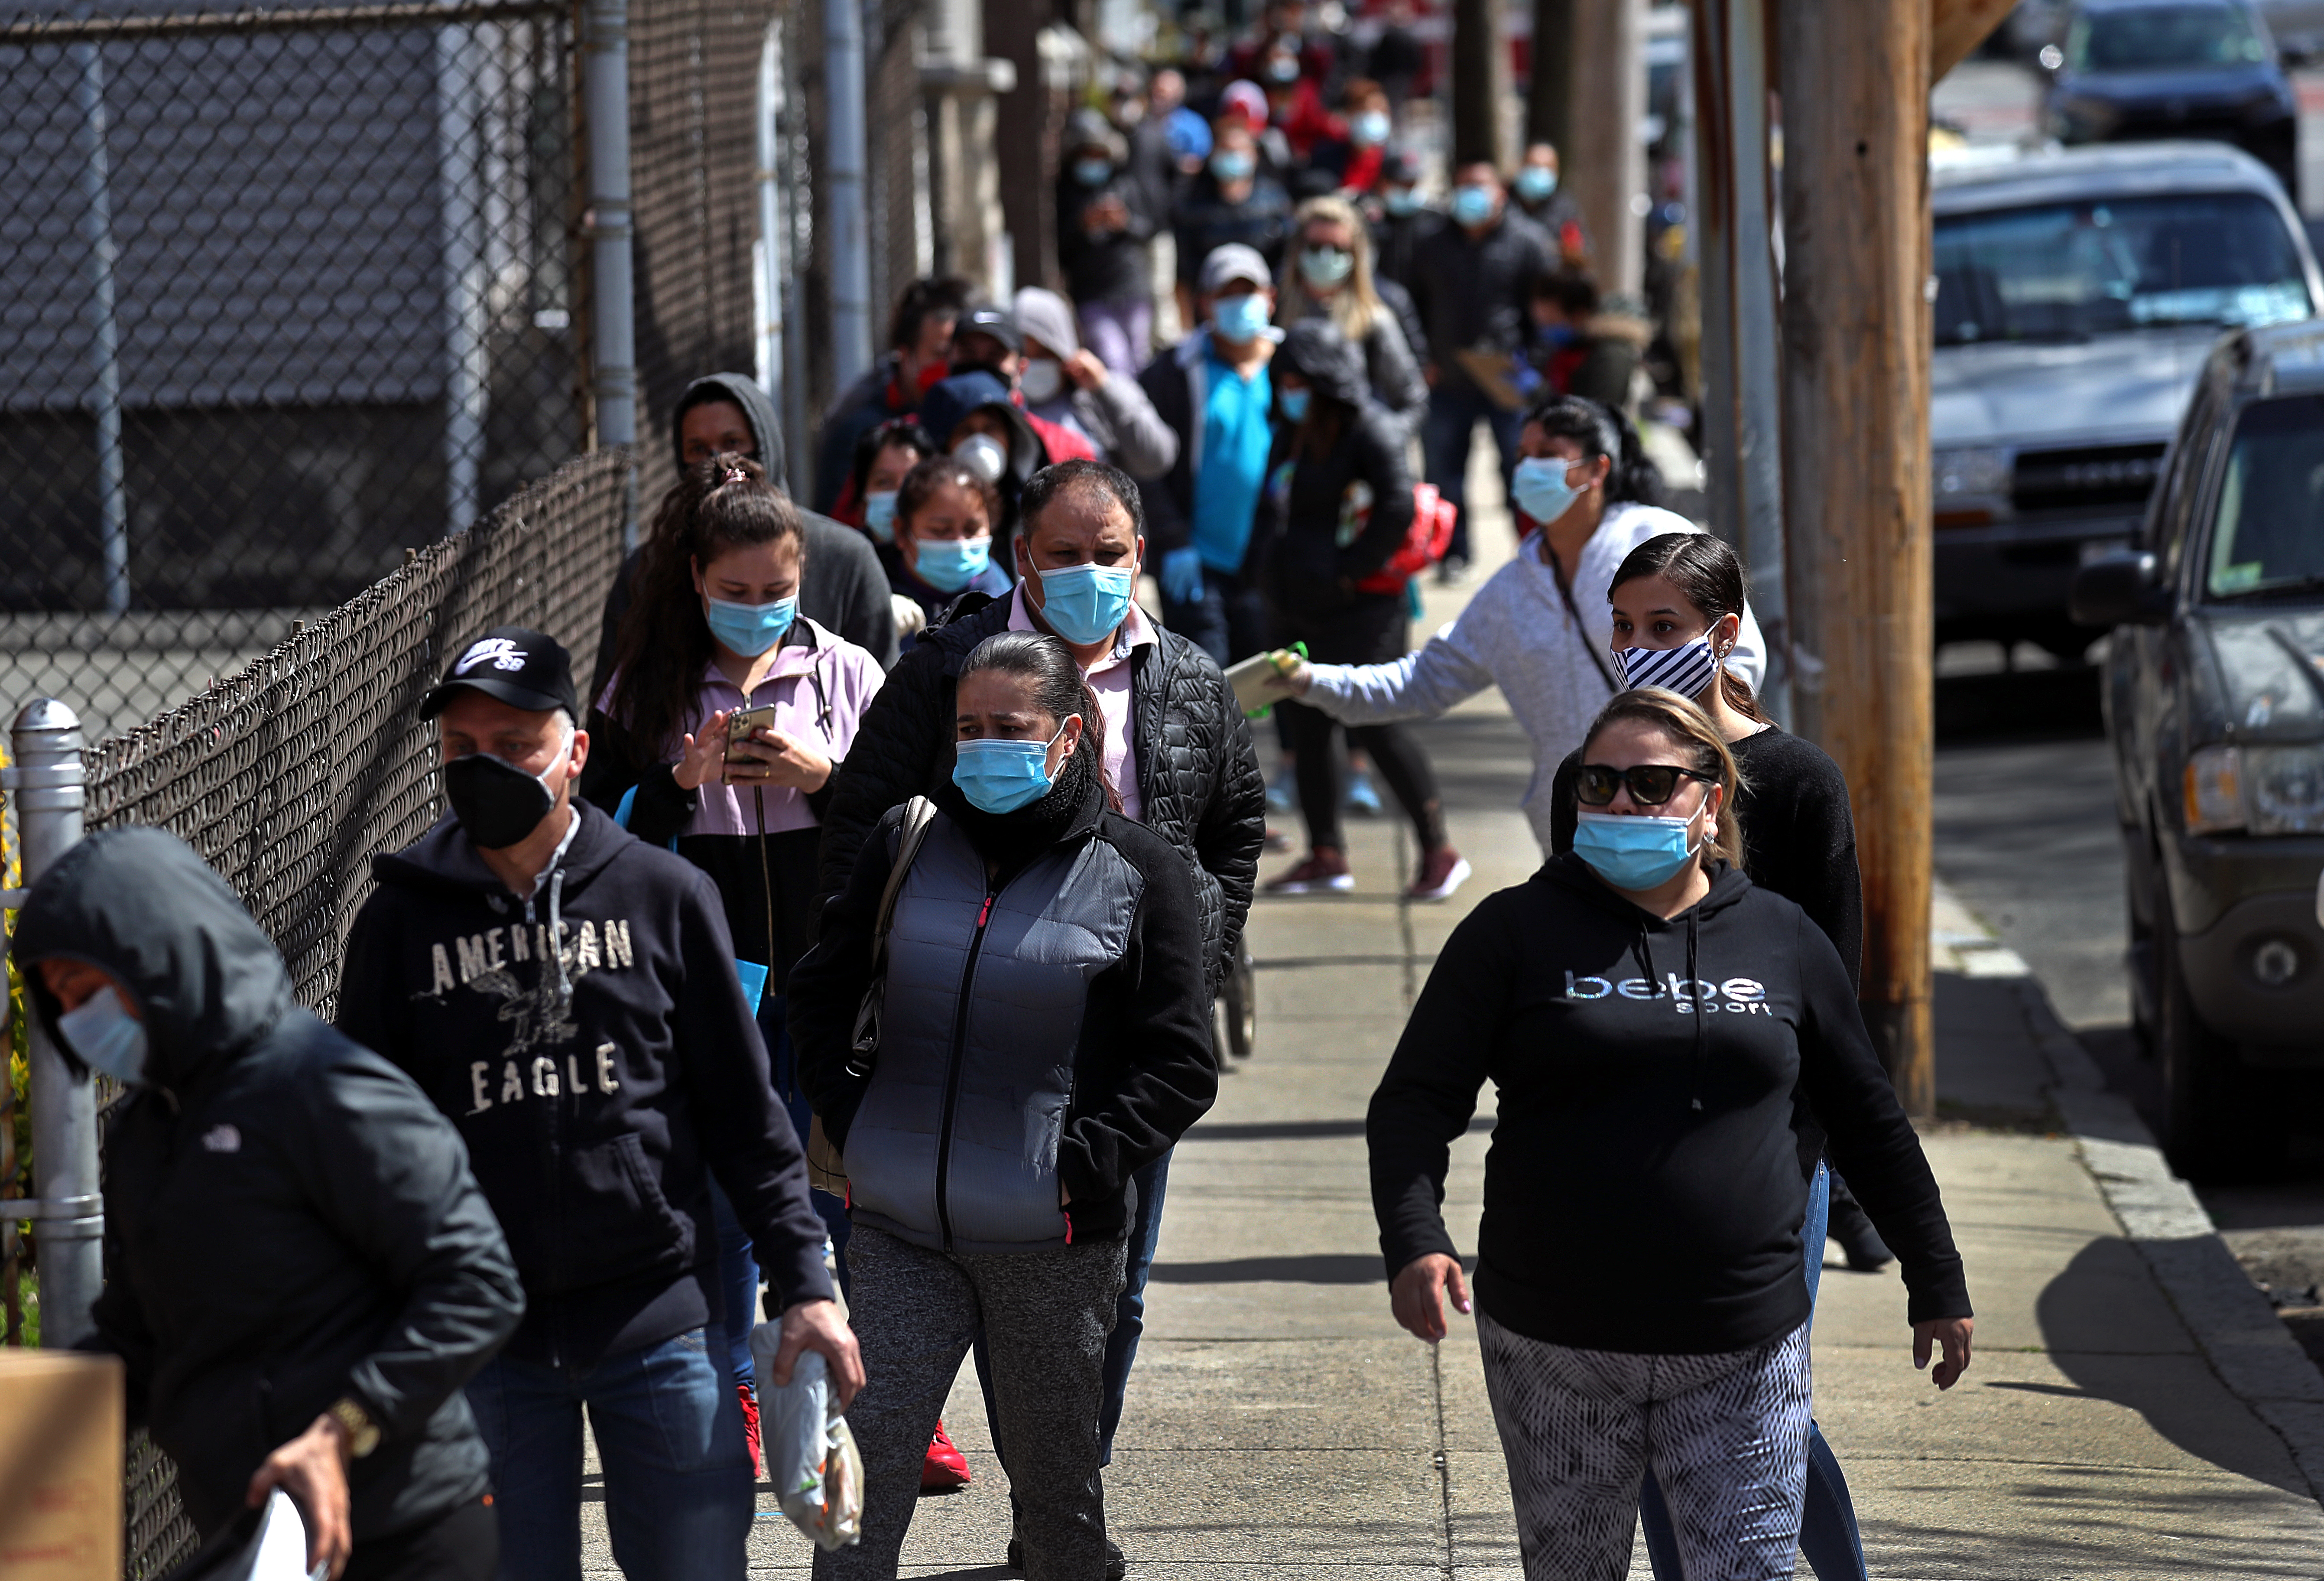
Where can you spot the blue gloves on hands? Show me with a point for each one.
(1182, 574)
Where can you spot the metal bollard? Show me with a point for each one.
(44, 778)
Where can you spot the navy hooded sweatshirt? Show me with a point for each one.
(599, 1087)
(1645, 1187)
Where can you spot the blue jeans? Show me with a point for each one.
(1229, 622)
(1453, 410)
(669, 1434)
(738, 1275)
(1829, 1539)
(1128, 1315)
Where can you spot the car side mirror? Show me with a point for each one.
(2124, 588)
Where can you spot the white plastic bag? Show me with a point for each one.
(811, 1456)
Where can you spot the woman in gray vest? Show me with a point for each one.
(1045, 1034)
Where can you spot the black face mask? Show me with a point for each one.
(496, 803)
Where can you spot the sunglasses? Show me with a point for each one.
(1650, 784)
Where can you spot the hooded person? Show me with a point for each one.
(971, 415)
(569, 996)
(844, 591)
(322, 1344)
(1065, 383)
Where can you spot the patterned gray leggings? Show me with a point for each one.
(1727, 1435)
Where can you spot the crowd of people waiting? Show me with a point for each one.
(599, 1029)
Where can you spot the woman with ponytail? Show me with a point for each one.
(1539, 629)
(716, 628)
(1676, 604)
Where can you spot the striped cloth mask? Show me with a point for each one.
(1685, 670)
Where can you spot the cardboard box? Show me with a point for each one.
(60, 1469)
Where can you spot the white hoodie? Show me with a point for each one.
(1516, 634)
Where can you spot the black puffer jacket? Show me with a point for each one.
(289, 1221)
(1197, 775)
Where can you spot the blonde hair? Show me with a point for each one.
(1679, 718)
(1355, 307)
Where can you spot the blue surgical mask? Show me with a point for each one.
(1685, 670)
(104, 1036)
(880, 515)
(950, 564)
(1232, 164)
(1325, 265)
(1294, 404)
(1401, 200)
(1632, 852)
(1473, 206)
(1238, 319)
(1542, 490)
(1086, 604)
(750, 629)
(1092, 173)
(1283, 69)
(1536, 182)
(1002, 776)
(1370, 128)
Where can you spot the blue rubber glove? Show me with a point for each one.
(1182, 574)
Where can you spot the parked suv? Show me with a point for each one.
(2214, 696)
(2078, 292)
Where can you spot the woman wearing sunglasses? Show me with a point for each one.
(1647, 1014)
(1676, 603)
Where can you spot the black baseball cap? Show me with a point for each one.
(989, 318)
(521, 667)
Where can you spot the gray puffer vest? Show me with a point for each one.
(955, 1146)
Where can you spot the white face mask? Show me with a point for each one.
(1041, 378)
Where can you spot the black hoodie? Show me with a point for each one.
(289, 1221)
(845, 588)
(1644, 1188)
(599, 1087)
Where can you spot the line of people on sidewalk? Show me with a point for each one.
(888, 986)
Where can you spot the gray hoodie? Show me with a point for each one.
(288, 1218)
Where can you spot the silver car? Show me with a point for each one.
(2077, 295)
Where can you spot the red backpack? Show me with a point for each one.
(1425, 541)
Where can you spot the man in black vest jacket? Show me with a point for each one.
(1177, 749)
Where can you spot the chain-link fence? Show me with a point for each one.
(290, 290)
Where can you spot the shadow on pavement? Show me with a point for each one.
(1323, 1268)
(2051, 704)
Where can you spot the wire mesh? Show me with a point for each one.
(290, 290)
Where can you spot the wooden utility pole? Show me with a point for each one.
(1481, 74)
(1549, 96)
(1603, 160)
(1855, 330)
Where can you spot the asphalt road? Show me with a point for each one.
(2026, 836)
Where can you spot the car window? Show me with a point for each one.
(2267, 535)
(2147, 37)
(2069, 271)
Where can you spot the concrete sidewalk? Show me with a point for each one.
(1280, 1424)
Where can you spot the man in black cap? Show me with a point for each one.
(989, 340)
(568, 996)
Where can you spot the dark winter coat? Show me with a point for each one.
(862, 407)
(1311, 516)
(1205, 221)
(1198, 779)
(843, 588)
(1391, 369)
(1472, 291)
(599, 1087)
(1111, 267)
(1645, 1185)
(1177, 384)
(289, 1221)
(1047, 1024)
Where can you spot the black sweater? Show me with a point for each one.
(1799, 839)
(1618, 1215)
(595, 1121)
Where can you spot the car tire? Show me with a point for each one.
(2220, 1124)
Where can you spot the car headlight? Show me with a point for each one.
(1971, 473)
(2212, 790)
(2284, 786)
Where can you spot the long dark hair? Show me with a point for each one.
(903, 432)
(1058, 689)
(1709, 575)
(1600, 431)
(722, 503)
(931, 473)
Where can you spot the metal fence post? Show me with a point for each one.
(45, 779)
(605, 80)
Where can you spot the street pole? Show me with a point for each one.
(851, 258)
(1741, 398)
(103, 330)
(1604, 161)
(605, 83)
(1480, 66)
(1549, 96)
(44, 780)
(1855, 417)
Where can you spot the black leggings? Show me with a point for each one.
(1398, 756)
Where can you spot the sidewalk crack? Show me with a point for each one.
(1442, 1461)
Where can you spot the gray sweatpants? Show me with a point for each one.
(1727, 1435)
(1045, 1316)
